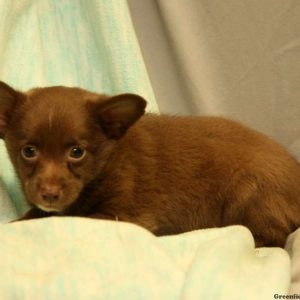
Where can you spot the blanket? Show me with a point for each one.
(90, 44)
(293, 248)
(78, 258)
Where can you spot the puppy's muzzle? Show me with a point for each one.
(51, 193)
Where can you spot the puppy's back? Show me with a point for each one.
(227, 172)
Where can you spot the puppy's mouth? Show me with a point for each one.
(50, 208)
(50, 204)
(52, 198)
(53, 206)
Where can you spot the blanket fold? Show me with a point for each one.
(78, 258)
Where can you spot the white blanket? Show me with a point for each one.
(77, 258)
(293, 247)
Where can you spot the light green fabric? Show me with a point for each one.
(7, 209)
(86, 43)
(76, 258)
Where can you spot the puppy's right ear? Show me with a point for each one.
(8, 100)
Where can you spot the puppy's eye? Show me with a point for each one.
(29, 152)
(76, 153)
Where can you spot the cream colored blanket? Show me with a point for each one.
(77, 258)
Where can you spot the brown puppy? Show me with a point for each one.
(83, 154)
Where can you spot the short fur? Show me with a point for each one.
(167, 174)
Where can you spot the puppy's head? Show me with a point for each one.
(59, 139)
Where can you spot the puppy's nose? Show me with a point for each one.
(51, 193)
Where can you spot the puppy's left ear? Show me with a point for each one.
(8, 100)
(120, 112)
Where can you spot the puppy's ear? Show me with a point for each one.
(118, 113)
(8, 99)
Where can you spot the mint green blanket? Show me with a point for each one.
(86, 43)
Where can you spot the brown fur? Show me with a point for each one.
(168, 174)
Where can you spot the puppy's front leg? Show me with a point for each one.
(33, 213)
(102, 216)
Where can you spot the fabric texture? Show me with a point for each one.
(8, 211)
(293, 248)
(90, 44)
(234, 58)
(77, 258)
